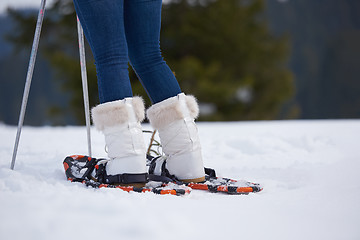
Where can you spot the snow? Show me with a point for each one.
(21, 4)
(309, 170)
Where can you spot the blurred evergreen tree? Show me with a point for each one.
(221, 51)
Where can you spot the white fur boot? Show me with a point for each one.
(120, 123)
(174, 120)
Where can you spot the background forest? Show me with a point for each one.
(243, 60)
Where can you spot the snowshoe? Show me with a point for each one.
(158, 172)
(212, 183)
(91, 172)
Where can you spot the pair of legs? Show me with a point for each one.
(120, 31)
(123, 31)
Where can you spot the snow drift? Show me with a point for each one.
(309, 170)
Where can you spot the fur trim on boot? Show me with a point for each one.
(162, 114)
(114, 113)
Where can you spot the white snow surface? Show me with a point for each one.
(21, 4)
(309, 171)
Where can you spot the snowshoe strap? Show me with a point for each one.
(91, 165)
(157, 178)
(210, 173)
(125, 178)
(167, 177)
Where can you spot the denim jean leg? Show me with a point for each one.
(103, 23)
(142, 26)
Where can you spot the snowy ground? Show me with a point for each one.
(309, 170)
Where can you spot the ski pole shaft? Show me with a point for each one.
(28, 79)
(84, 82)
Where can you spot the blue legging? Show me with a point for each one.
(123, 30)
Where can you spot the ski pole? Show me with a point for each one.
(84, 82)
(28, 79)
